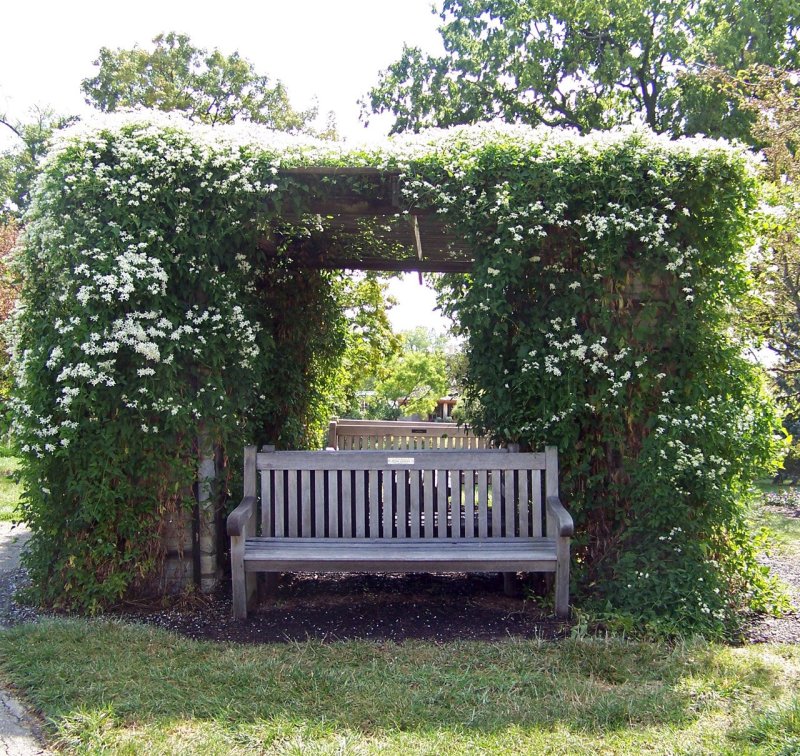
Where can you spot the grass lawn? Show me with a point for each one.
(110, 687)
(785, 530)
(9, 489)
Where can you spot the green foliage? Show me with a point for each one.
(209, 87)
(587, 65)
(416, 381)
(19, 164)
(600, 318)
(150, 313)
(411, 381)
(161, 293)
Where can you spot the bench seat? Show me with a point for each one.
(380, 555)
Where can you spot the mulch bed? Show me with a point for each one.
(325, 607)
(437, 608)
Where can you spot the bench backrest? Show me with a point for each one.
(400, 434)
(394, 495)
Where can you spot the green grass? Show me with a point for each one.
(9, 489)
(785, 530)
(110, 687)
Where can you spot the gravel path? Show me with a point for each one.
(20, 734)
(785, 564)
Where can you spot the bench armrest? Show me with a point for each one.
(563, 518)
(242, 516)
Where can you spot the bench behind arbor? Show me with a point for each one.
(388, 511)
(400, 434)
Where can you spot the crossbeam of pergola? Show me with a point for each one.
(406, 238)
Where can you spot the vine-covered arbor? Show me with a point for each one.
(180, 295)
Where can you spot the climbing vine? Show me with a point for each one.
(162, 293)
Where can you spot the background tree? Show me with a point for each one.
(772, 98)
(587, 64)
(412, 381)
(210, 87)
(18, 163)
(371, 345)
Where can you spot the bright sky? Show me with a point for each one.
(331, 50)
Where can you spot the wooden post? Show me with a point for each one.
(206, 521)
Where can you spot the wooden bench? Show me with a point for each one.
(406, 511)
(400, 434)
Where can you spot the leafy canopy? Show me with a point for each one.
(417, 377)
(19, 163)
(587, 64)
(209, 87)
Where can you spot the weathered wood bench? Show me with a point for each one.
(401, 434)
(406, 511)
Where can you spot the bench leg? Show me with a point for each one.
(267, 584)
(510, 585)
(243, 584)
(562, 578)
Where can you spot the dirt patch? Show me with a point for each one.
(331, 607)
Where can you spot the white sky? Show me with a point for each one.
(331, 50)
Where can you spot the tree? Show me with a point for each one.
(772, 96)
(371, 345)
(587, 64)
(210, 87)
(413, 380)
(18, 164)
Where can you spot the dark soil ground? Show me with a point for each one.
(327, 607)
(438, 608)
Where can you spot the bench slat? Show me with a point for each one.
(427, 495)
(347, 505)
(305, 503)
(319, 503)
(333, 504)
(524, 508)
(266, 509)
(402, 503)
(278, 504)
(291, 495)
(497, 504)
(264, 554)
(455, 504)
(374, 503)
(536, 530)
(508, 503)
(361, 505)
(441, 502)
(423, 459)
(386, 504)
(469, 504)
(413, 490)
(483, 504)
